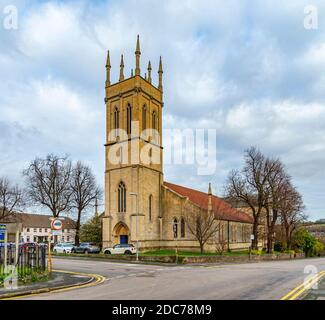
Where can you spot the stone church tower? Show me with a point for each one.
(133, 173)
(140, 207)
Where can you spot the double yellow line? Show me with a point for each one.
(98, 280)
(298, 291)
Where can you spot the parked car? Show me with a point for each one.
(86, 247)
(28, 245)
(121, 249)
(63, 248)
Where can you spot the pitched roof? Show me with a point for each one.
(223, 210)
(38, 220)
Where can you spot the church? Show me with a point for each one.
(140, 206)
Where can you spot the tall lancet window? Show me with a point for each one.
(144, 117)
(121, 197)
(182, 228)
(116, 120)
(154, 120)
(128, 119)
(175, 228)
(150, 207)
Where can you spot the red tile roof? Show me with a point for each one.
(222, 209)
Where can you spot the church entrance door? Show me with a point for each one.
(121, 233)
(124, 239)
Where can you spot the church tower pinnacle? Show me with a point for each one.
(122, 69)
(160, 73)
(108, 70)
(137, 58)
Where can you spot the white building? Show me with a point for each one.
(37, 228)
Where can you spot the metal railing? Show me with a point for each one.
(30, 258)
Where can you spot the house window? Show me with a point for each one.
(175, 228)
(144, 118)
(40, 229)
(128, 119)
(68, 238)
(35, 229)
(121, 197)
(150, 207)
(182, 228)
(27, 229)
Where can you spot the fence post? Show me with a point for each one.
(6, 250)
(17, 247)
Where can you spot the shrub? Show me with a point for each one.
(289, 251)
(318, 249)
(278, 246)
(305, 241)
(256, 252)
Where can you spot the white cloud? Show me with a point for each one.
(249, 70)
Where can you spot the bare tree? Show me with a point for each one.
(292, 213)
(204, 224)
(277, 182)
(249, 187)
(48, 183)
(85, 192)
(11, 199)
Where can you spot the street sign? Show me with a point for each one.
(3, 229)
(56, 225)
(56, 232)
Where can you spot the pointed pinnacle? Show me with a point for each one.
(210, 190)
(138, 45)
(108, 61)
(160, 65)
(122, 61)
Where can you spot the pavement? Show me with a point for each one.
(56, 280)
(316, 293)
(128, 281)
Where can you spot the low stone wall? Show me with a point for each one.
(241, 258)
(196, 259)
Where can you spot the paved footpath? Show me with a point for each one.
(128, 281)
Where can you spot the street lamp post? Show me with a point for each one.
(136, 223)
(176, 238)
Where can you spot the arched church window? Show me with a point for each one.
(128, 118)
(182, 228)
(150, 207)
(221, 236)
(175, 228)
(144, 117)
(121, 197)
(154, 119)
(116, 119)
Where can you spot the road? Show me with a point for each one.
(125, 281)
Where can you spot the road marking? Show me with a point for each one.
(98, 280)
(299, 290)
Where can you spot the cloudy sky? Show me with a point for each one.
(248, 69)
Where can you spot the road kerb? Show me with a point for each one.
(90, 283)
(302, 288)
